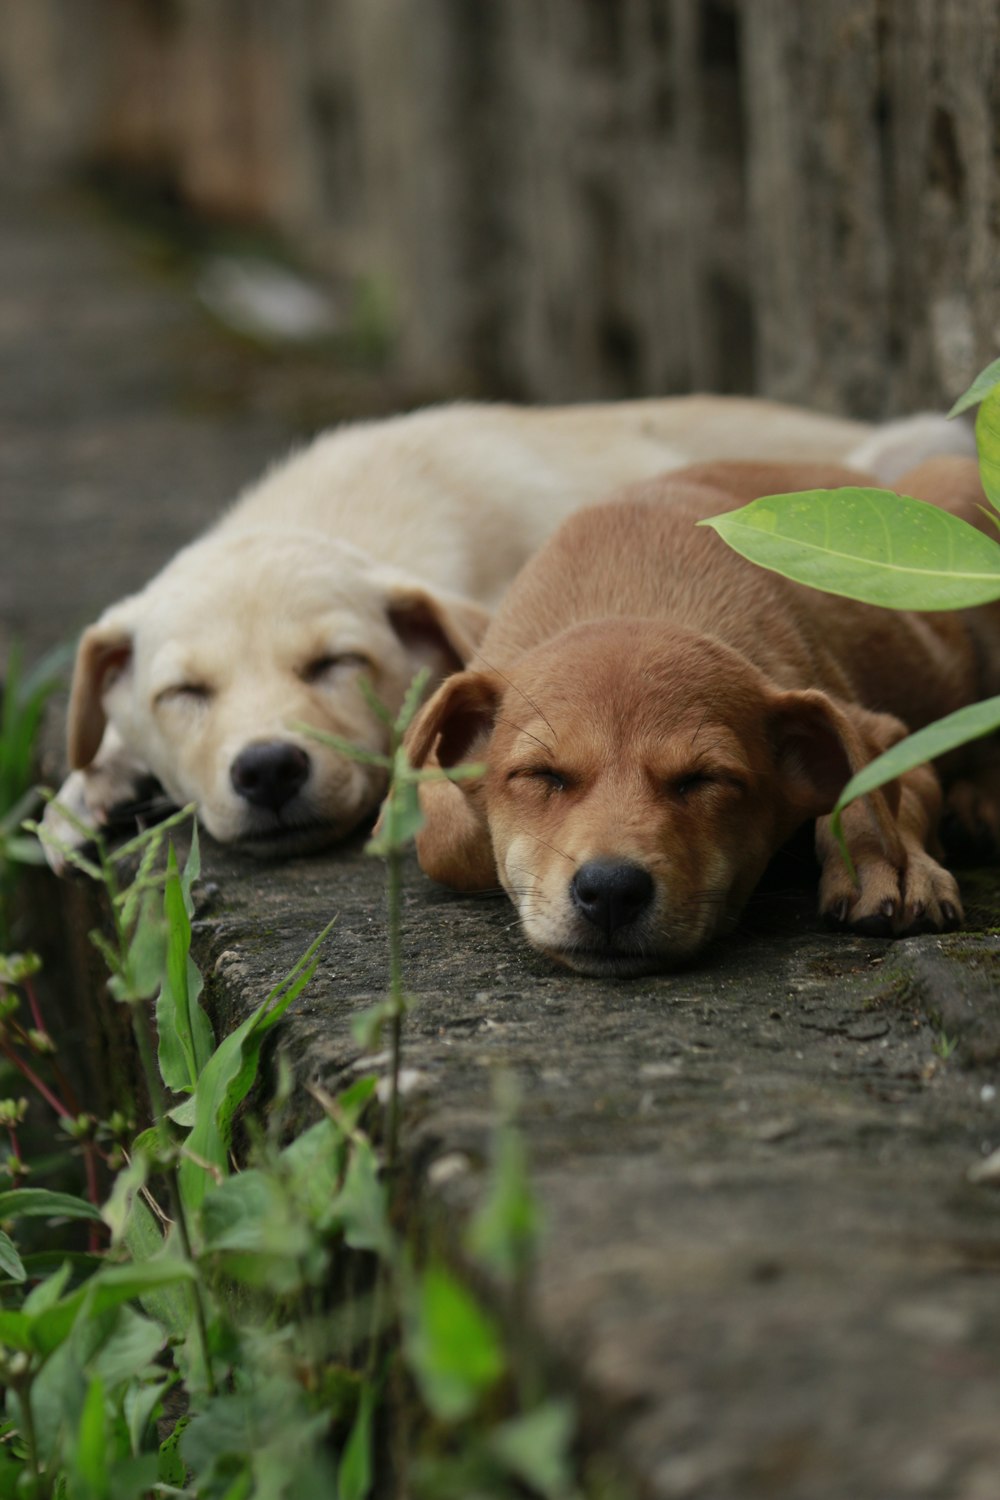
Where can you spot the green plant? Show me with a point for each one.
(246, 1330)
(23, 696)
(944, 1045)
(892, 550)
(452, 1346)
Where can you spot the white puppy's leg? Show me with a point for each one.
(94, 796)
(895, 447)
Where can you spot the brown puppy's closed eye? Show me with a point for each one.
(657, 717)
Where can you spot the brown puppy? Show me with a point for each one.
(657, 716)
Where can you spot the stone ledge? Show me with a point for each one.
(763, 1258)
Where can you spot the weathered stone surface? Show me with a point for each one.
(765, 1268)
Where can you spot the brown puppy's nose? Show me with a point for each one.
(269, 774)
(611, 893)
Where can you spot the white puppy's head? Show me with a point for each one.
(243, 635)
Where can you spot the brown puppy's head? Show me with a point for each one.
(639, 778)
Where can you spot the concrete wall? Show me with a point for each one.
(572, 198)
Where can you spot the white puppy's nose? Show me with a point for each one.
(269, 773)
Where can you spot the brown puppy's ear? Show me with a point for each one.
(439, 630)
(453, 719)
(821, 743)
(105, 649)
(454, 844)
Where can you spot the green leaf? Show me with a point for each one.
(401, 818)
(155, 834)
(15, 1330)
(228, 1075)
(144, 1239)
(366, 1025)
(90, 1456)
(185, 1032)
(867, 544)
(47, 1293)
(111, 1286)
(171, 1468)
(250, 1222)
(361, 1208)
(503, 1234)
(412, 701)
(927, 744)
(10, 1262)
(146, 957)
(980, 387)
(312, 1164)
(354, 1479)
(24, 851)
(140, 1404)
(128, 1350)
(41, 1203)
(452, 1346)
(988, 445)
(184, 1114)
(117, 1211)
(344, 747)
(536, 1448)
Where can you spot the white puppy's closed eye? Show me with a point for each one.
(322, 669)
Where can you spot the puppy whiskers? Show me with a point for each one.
(529, 701)
(521, 730)
(547, 845)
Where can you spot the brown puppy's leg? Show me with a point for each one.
(900, 887)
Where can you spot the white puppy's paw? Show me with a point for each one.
(109, 791)
(62, 834)
(896, 447)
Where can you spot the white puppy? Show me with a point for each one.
(376, 550)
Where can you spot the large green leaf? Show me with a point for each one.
(937, 739)
(988, 445)
(867, 544)
(979, 389)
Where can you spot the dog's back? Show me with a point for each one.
(647, 556)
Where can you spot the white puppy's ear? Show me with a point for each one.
(105, 650)
(439, 630)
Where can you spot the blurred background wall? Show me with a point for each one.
(561, 199)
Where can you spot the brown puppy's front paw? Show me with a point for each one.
(888, 902)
